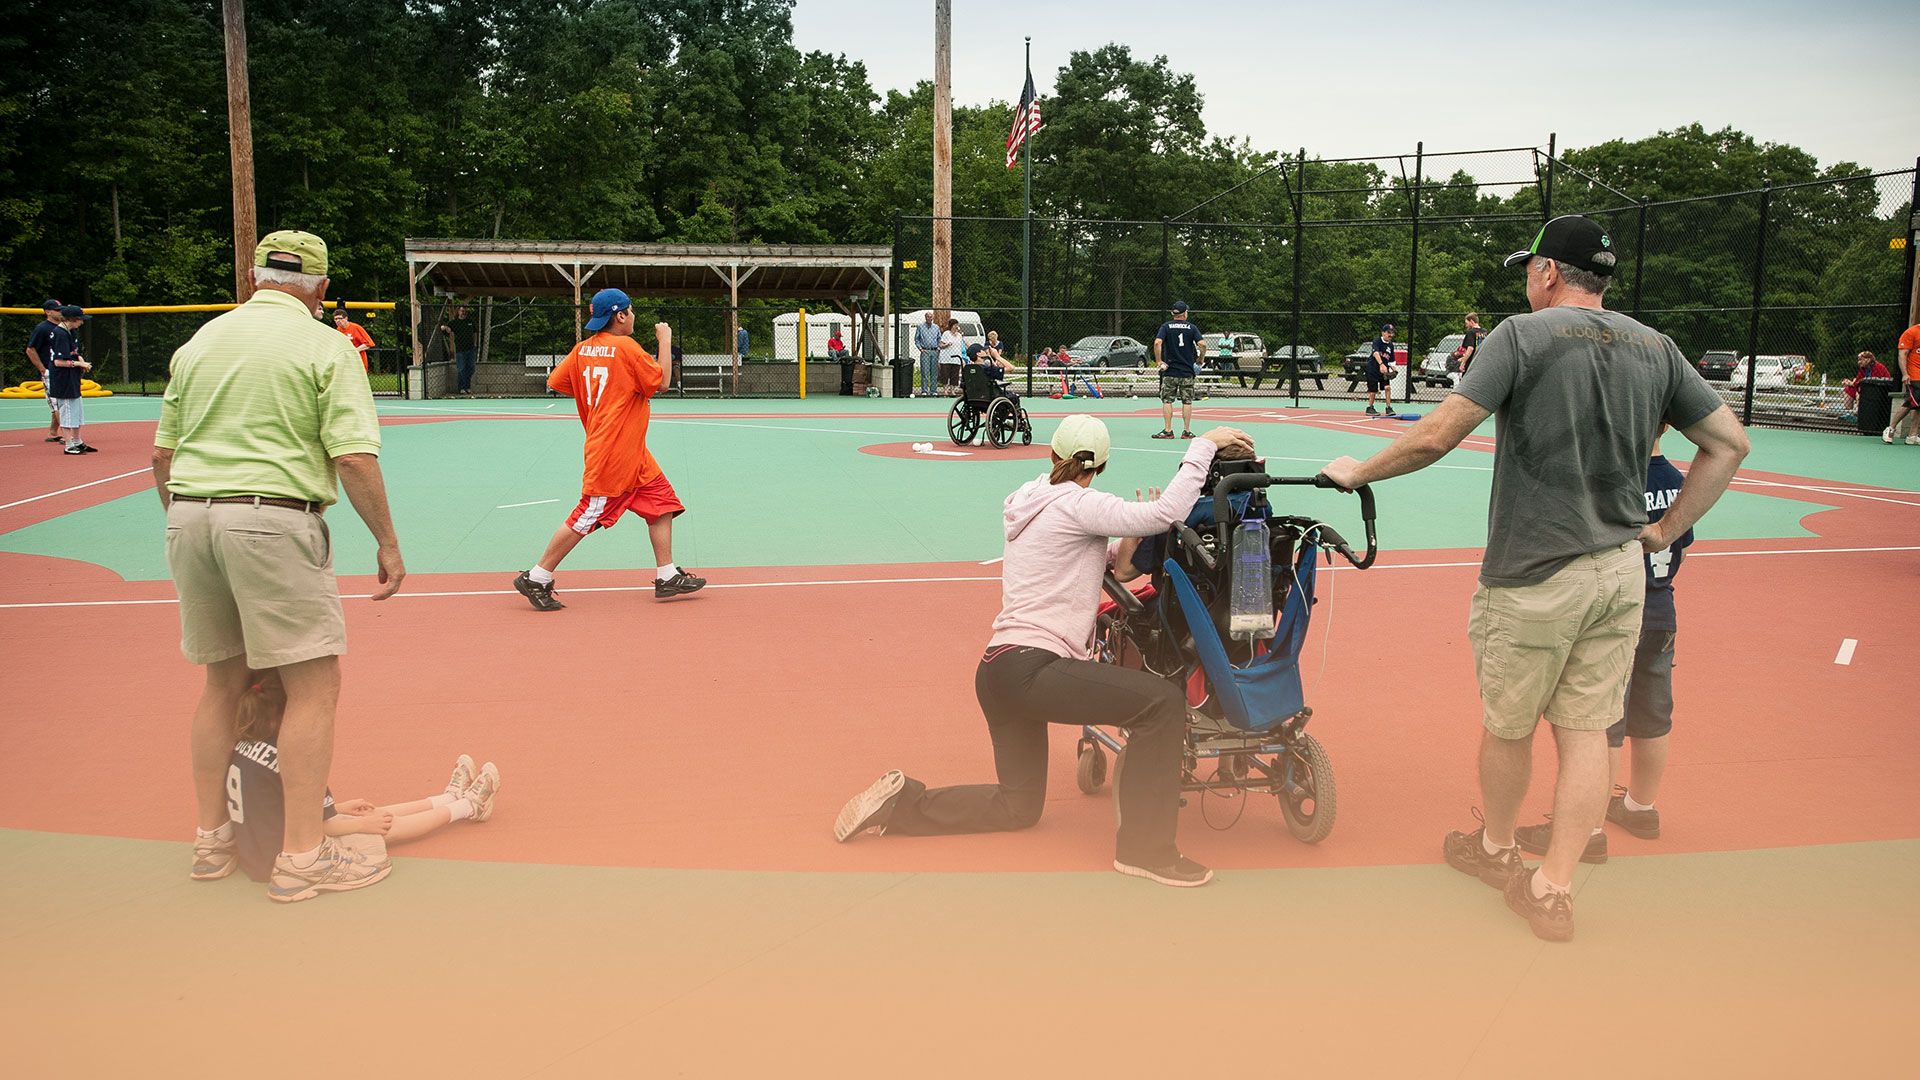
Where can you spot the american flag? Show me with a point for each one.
(1026, 121)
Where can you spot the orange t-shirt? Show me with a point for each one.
(612, 381)
(1910, 341)
(360, 338)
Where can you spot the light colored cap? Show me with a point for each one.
(1082, 432)
(309, 252)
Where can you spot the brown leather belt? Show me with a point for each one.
(260, 500)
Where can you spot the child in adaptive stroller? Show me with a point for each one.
(1036, 670)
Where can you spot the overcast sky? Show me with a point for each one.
(1374, 77)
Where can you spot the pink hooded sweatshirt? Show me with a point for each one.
(1058, 548)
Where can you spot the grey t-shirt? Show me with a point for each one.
(1577, 395)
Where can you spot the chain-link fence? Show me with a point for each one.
(1323, 254)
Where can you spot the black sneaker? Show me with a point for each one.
(75, 450)
(1551, 916)
(1644, 824)
(1181, 873)
(871, 808)
(1465, 853)
(1533, 839)
(1186, 434)
(679, 584)
(1371, 411)
(88, 448)
(540, 596)
(53, 438)
(1167, 434)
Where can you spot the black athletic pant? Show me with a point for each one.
(1021, 691)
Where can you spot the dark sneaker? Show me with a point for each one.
(1533, 839)
(871, 808)
(1167, 434)
(1181, 873)
(74, 450)
(540, 596)
(1186, 434)
(679, 584)
(1465, 853)
(1644, 824)
(1551, 916)
(53, 438)
(1371, 411)
(87, 448)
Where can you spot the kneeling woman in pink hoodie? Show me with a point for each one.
(1036, 669)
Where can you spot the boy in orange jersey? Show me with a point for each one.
(612, 381)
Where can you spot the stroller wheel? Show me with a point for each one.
(1091, 775)
(1307, 796)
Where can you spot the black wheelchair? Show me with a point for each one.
(985, 400)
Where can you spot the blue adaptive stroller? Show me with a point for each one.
(1251, 713)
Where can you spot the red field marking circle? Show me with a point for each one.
(944, 450)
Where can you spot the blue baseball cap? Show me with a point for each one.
(606, 304)
(1180, 306)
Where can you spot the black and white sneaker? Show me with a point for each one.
(679, 584)
(871, 808)
(89, 448)
(1181, 873)
(76, 450)
(540, 596)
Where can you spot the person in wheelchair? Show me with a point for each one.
(1037, 669)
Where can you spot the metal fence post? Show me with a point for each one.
(1759, 279)
(1913, 242)
(1166, 266)
(1413, 272)
(1299, 241)
(1639, 256)
(1546, 201)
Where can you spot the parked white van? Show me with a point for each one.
(820, 327)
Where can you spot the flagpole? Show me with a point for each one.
(1026, 237)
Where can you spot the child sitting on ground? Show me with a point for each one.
(258, 811)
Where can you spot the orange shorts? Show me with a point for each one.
(652, 500)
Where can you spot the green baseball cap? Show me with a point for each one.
(302, 252)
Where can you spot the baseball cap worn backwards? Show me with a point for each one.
(1081, 432)
(606, 304)
(290, 249)
(1577, 241)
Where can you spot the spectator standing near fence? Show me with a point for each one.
(926, 339)
(63, 379)
(1380, 370)
(39, 352)
(1175, 349)
(262, 418)
(1469, 341)
(461, 342)
(357, 334)
(612, 381)
(1868, 367)
(1578, 393)
(1909, 405)
(741, 341)
(953, 356)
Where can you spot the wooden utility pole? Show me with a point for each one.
(942, 158)
(246, 233)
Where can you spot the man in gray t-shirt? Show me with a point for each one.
(1578, 394)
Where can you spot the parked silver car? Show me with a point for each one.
(1106, 351)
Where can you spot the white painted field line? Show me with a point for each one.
(76, 487)
(536, 502)
(1846, 651)
(1820, 490)
(990, 562)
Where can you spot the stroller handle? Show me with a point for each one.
(1247, 481)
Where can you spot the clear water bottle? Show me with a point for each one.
(1250, 600)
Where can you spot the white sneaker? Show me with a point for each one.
(485, 786)
(1913, 440)
(462, 778)
(1887, 436)
(869, 809)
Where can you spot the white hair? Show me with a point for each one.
(1585, 281)
(293, 279)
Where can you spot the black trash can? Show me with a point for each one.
(846, 376)
(1875, 405)
(903, 369)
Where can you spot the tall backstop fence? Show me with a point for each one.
(1315, 257)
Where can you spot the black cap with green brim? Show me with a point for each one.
(1577, 241)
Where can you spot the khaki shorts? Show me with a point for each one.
(1562, 648)
(254, 580)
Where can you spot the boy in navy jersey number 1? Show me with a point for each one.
(1649, 705)
(256, 808)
